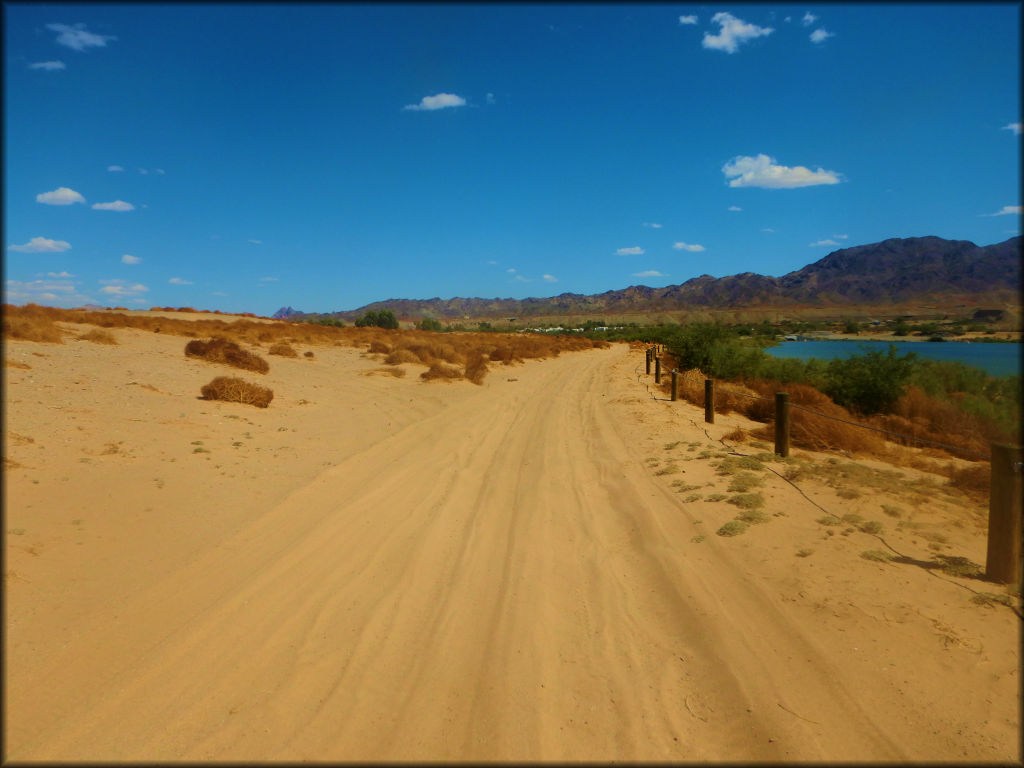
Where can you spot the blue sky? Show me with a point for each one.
(245, 157)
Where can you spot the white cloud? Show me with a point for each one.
(60, 196)
(78, 38)
(489, 98)
(767, 229)
(1006, 210)
(841, 237)
(1015, 127)
(268, 279)
(761, 171)
(63, 273)
(735, 208)
(649, 273)
(635, 250)
(550, 279)
(45, 292)
(160, 171)
(256, 242)
(788, 19)
(129, 259)
(42, 285)
(510, 271)
(492, 262)
(49, 66)
(179, 281)
(440, 101)
(821, 35)
(822, 242)
(122, 288)
(41, 245)
(652, 225)
(733, 32)
(114, 168)
(143, 171)
(117, 205)
(688, 247)
(808, 19)
(218, 293)
(687, 19)
(521, 279)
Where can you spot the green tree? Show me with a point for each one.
(430, 324)
(383, 318)
(869, 383)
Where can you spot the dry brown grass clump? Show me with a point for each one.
(220, 350)
(32, 328)
(400, 356)
(476, 368)
(441, 371)
(379, 347)
(282, 349)
(235, 390)
(96, 336)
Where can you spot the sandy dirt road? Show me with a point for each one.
(496, 577)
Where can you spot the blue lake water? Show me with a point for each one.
(994, 359)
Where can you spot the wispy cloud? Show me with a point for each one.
(687, 19)
(732, 32)
(822, 242)
(489, 98)
(841, 237)
(652, 225)
(115, 168)
(762, 171)
(160, 171)
(1006, 210)
(767, 229)
(1014, 127)
(735, 208)
(549, 279)
(511, 271)
(41, 245)
(268, 279)
(821, 35)
(117, 205)
(808, 19)
(256, 242)
(49, 66)
(45, 292)
(122, 288)
(60, 196)
(649, 273)
(218, 293)
(143, 171)
(688, 247)
(129, 259)
(635, 250)
(179, 281)
(78, 38)
(63, 273)
(440, 101)
(521, 279)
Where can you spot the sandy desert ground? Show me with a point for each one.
(378, 568)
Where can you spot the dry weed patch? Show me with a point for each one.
(96, 336)
(17, 364)
(235, 390)
(441, 371)
(32, 328)
(220, 350)
(283, 350)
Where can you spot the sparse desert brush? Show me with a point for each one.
(441, 371)
(876, 555)
(309, 354)
(379, 347)
(747, 500)
(476, 368)
(220, 350)
(395, 371)
(732, 528)
(400, 356)
(235, 390)
(38, 328)
(737, 435)
(97, 336)
(282, 349)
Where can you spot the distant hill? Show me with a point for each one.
(891, 272)
(285, 312)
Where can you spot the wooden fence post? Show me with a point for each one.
(709, 401)
(675, 384)
(1004, 516)
(648, 361)
(782, 423)
(657, 370)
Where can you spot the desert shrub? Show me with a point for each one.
(282, 349)
(441, 371)
(220, 350)
(869, 383)
(379, 348)
(876, 555)
(732, 528)
(383, 318)
(40, 329)
(400, 356)
(747, 500)
(235, 390)
(308, 353)
(476, 368)
(429, 324)
(97, 336)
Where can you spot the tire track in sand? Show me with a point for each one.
(501, 581)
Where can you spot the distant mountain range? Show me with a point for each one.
(892, 272)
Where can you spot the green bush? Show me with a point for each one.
(869, 383)
(383, 318)
(429, 324)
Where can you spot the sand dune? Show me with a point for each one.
(376, 568)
